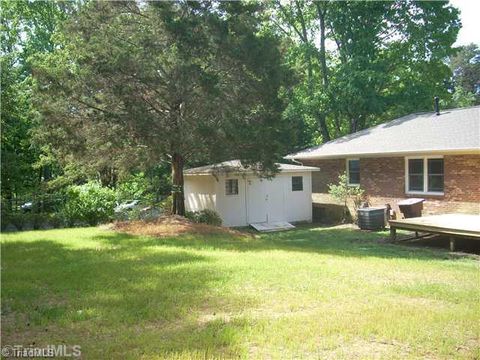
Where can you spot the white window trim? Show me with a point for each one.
(425, 176)
(348, 171)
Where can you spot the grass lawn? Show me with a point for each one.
(306, 293)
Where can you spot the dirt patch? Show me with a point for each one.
(167, 226)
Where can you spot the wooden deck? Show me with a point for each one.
(454, 225)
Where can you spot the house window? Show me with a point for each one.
(435, 175)
(425, 175)
(353, 171)
(297, 183)
(231, 187)
(415, 174)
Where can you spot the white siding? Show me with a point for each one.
(199, 192)
(257, 199)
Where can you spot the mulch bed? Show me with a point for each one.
(167, 226)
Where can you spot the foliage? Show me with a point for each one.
(465, 83)
(18, 220)
(205, 216)
(166, 205)
(461, 98)
(150, 186)
(27, 28)
(352, 74)
(134, 187)
(118, 91)
(343, 192)
(89, 203)
(194, 82)
(29, 221)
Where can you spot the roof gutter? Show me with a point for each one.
(387, 154)
(237, 173)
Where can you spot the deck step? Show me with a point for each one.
(272, 226)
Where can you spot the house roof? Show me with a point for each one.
(453, 131)
(236, 166)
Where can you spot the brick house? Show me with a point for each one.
(435, 156)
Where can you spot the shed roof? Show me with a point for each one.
(453, 131)
(236, 166)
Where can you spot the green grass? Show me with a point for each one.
(307, 293)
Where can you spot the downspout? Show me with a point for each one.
(295, 161)
(246, 205)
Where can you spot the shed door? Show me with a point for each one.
(256, 201)
(265, 200)
(275, 199)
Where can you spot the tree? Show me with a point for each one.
(139, 83)
(296, 20)
(343, 192)
(465, 66)
(369, 61)
(27, 29)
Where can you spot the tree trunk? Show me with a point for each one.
(353, 125)
(322, 54)
(108, 177)
(321, 118)
(322, 122)
(8, 196)
(178, 200)
(308, 53)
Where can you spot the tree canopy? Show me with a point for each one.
(27, 30)
(134, 83)
(110, 90)
(465, 84)
(364, 62)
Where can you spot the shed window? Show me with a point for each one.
(425, 175)
(353, 171)
(231, 187)
(297, 183)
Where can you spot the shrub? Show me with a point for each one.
(17, 220)
(166, 205)
(344, 192)
(134, 187)
(89, 203)
(38, 220)
(27, 221)
(205, 216)
(55, 220)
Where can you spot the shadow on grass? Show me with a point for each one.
(338, 241)
(53, 294)
(141, 296)
(467, 245)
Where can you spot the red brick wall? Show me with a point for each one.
(383, 180)
(328, 174)
(462, 178)
(383, 176)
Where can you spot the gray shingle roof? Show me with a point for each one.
(236, 166)
(456, 130)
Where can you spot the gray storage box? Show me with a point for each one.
(411, 207)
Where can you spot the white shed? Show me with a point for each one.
(242, 198)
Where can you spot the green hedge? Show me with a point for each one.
(89, 203)
(206, 216)
(24, 221)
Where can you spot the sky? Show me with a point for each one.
(470, 17)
